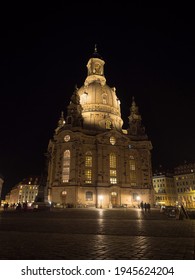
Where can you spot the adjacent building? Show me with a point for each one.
(92, 160)
(184, 180)
(165, 192)
(24, 191)
(177, 188)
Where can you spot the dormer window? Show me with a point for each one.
(108, 124)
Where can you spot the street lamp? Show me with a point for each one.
(138, 200)
(100, 199)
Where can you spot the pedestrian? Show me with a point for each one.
(148, 207)
(19, 206)
(25, 205)
(142, 205)
(145, 206)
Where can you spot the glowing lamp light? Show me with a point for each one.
(101, 199)
(64, 193)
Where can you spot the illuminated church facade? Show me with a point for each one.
(92, 160)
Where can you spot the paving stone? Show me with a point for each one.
(95, 234)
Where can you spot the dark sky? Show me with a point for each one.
(149, 54)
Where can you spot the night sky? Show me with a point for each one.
(149, 54)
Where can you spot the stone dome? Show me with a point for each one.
(101, 106)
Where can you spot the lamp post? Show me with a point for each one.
(138, 201)
(101, 200)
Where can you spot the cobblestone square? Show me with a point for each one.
(95, 234)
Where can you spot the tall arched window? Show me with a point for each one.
(66, 167)
(88, 167)
(132, 170)
(113, 173)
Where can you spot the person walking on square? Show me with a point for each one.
(142, 205)
(148, 207)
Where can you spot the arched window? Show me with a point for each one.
(66, 167)
(88, 167)
(112, 140)
(113, 172)
(132, 170)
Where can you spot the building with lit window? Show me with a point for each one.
(184, 179)
(165, 192)
(92, 160)
(25, 191)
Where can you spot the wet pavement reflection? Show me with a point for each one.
(95, 234)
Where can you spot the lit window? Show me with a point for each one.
(112, 140)
(88, 159)
(113, 173)
(113, 180)
(88, 176)
(113, 194)
(67, 138)
(88, 165)
(66, 167)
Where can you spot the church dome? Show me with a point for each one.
(100, 104)
(102, 95)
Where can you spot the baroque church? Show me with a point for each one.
(92, 160)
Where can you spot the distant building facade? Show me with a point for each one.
(184, 180)
(92, 160)
(25, 191)
(165, 192)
